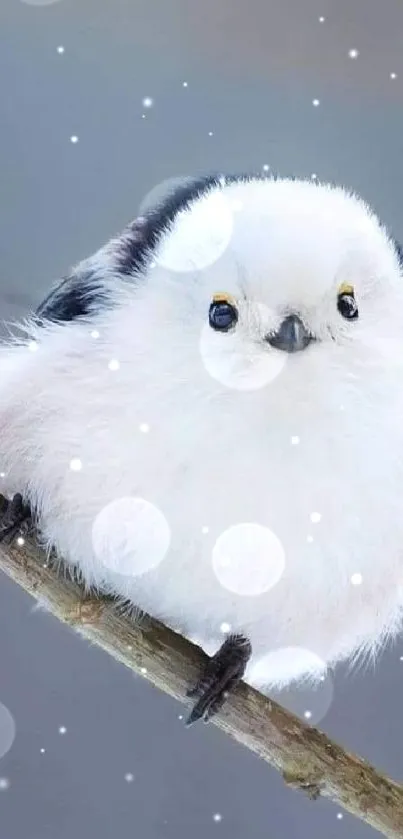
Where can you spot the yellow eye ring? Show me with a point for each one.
(224, 297)
(345, 288)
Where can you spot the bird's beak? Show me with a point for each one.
(291, 336)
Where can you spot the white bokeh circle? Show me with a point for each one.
(7, 730)
(40, 2)
(205, 234)
(240, 362)
(161, 191)
(248, 559)
(130, 536)
(308, 687)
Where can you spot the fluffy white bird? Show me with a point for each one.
(206, 418)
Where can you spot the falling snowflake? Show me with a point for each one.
(210, 133)
(95, 333)
(75, 464)
(353, 53)
(356, 579)
(114, 364)
(143, 670)
(315, 518)
(307, 715)
(217, 817)
(225, 627)
(144, 428)
(42, 751)
(32, 346)
(74, 138)
(266, 167)
(184, 84)
(393, 75)
(295, 440)
(315, 103)
(62, 729)
(4, 783)
(129, 777)
(322, 19)
(148, 102)
(339, 816)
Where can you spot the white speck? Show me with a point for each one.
(148, 102)
(62, 729)
(266, 167)
(217, 817)
(60, 50)
(356, 579)
(74, 138)
(309, 538)
(315, 103)
(315, 518)
(184, 84)
(129, 647)
(205, 529)
(45, 565)
(339, 816)
(152, 264)
(143, 670)
(353, 53)
(95, 333)
(76, 464)
(4, 783)
(314, 176)
(2, 474)
(307, 715)
(180, 717)
(143, 116)
(43, 751)
(20, 541)
(401, 658)
(32, 346)
(225, 627)
(129, 777)
(114, 364)
(248, 559)
(393, 75)
(294, 440)
(210, 133)
(322, 19)
(144, 428)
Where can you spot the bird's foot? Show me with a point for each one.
(222, 672)
(15, 517)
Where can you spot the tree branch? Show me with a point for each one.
(307, 759)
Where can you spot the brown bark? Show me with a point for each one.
(307, 759)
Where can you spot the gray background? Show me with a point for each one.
(252, 70)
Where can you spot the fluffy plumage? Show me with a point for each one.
(218, 451)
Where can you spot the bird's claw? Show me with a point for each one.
(15, 517)
(222, 672)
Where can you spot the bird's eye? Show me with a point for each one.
(346, 302)
(223, 313)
